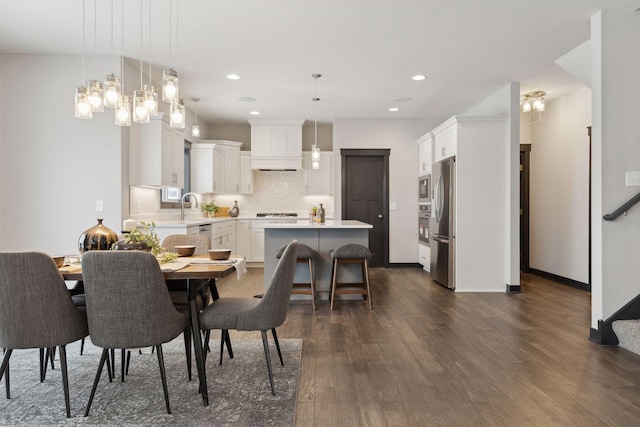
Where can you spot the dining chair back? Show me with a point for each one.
(128, 305)
(36, 310)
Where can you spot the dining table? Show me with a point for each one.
(191, 269)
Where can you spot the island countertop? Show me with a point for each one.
(305, 224)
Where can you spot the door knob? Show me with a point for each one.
(380, 216)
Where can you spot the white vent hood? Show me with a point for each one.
(276, 144)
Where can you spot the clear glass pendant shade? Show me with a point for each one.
(170, 85)
(83, 108)
(176, 115)
(96, 96)
(123, 111)
(151, 99)
(140, 112)
(111, 91)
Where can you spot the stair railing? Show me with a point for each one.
(622, 209)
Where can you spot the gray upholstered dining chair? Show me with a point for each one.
(128, 306)
(36, 310)
(252, 314)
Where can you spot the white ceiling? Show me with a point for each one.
(366, 50)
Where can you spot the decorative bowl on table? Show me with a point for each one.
(185, 250)
(59, 260)
(219, 254)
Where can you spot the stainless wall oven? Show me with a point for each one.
(424, 213)
(424, 189)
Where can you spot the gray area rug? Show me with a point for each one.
(239, 392)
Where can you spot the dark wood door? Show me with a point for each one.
(365, 189)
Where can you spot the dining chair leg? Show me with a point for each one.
(110, 369)
(187, 348)
(122, 362)
(4, 369)
(65, 379)
(103, 358)
(164, 377)
(42, 364)
(265, 344)
(275, 339)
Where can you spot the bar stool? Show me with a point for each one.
(305, 255)
(351, 253)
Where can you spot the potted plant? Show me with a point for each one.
(143, 239)
(210, 208)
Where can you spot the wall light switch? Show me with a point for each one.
(99, 205)
(632, 179)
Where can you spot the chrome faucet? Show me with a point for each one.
(184, 196)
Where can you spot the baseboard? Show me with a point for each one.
(405, 265)
(564, 280)
(513, 289)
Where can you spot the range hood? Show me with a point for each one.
(276, 144)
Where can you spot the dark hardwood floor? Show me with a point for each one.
(428, 356)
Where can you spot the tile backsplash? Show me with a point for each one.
(274, 191)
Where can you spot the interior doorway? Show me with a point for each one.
(365, 195)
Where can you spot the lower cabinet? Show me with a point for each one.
(424, 256)
(243, 238)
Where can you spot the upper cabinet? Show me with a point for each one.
(318, 181)
(276, 144)
(156, 154)
(215, 167)
(246, 173)
(424, 154)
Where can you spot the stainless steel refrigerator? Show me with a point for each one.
(442, 226)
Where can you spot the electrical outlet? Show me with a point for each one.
(99, 206)
(632, 179)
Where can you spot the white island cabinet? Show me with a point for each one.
(321, 237)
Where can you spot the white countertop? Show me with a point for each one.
(305, 224)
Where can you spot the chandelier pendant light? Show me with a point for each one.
(315, 150)
(533, 101)
(177, 115)
(83, 109)
(195, 128)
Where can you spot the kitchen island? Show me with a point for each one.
(322, 238)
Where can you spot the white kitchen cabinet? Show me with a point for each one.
(243, 238)
(223, 235)
(257, 244)
(231, 167)
(445, 140)
(424, 154)
(246, 173)
(215, 167)
(318, 181)
(424, 256)
(206, 168)
(156, 154)
(276, 144)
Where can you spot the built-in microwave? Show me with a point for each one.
(424, 189)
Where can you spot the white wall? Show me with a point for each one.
(559, 198)
(506, 102)
(615, 36)
(400, 136)
(53, 167)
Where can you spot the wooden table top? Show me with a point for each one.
(192, 271)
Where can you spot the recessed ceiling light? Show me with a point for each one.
(418, 77)
(394, 109)
(402, 99)
(255, 113)
(246, 99)
(233, 77)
